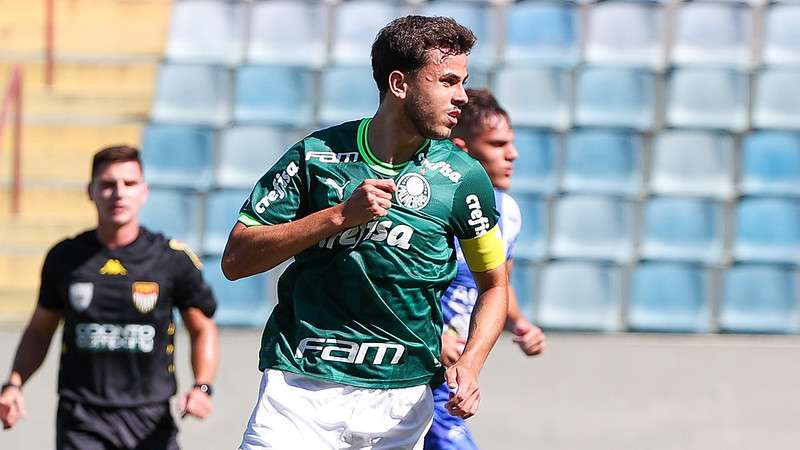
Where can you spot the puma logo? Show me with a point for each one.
(339, 189)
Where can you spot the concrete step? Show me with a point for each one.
(19, 284)
(50, 204)
(25, 235)
(91, 79)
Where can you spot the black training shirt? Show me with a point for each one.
(118, 339)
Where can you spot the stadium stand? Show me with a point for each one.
(602, 161)
(759, 299)
(535, 169)
(541, 33)
(681, 308)
(578, 295)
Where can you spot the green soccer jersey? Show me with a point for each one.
(362, 306)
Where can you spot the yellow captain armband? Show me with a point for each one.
(485, 252)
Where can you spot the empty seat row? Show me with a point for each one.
(662, 296)
(295, 32)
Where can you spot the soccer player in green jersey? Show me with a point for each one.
(370, 210)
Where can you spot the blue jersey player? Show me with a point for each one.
(484, 131)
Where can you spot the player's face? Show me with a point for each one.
(436, 94)
(118, 191)
(494, 148)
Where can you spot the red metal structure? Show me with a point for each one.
(12, 97)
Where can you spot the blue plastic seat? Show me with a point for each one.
(777, 99)
(712, 33)
(579, 296)
(174, 212)
(246, 153)
(541, 33)
(759, 299)
(204, 31)
(534, 96)
(192, 94)
(625, 33)
(669, 297)
(681, 229)
(222, 211)
(615, 97)
(348, 93)
(281, 95)
(605, 161)
(686, 162)
(768, 229)
(532, 241)
(178, 156)
(357, 24)
(244, 302)
(771, 163)
(475, 16)
(781, 35)
(592, 227)
(535, 167)
(287, 32)
(709, 98)
(523, 279)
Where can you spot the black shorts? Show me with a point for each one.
(85, 427)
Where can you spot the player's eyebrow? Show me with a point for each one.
(452, 78)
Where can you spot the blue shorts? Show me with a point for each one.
(447, 432)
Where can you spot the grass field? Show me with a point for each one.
(588, 392)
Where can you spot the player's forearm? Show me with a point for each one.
(252, 250)
(514, 313)
(31, 352)
(486, 324)
(205, 353)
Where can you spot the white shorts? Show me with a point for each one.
(294, 412)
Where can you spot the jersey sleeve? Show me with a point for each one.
(191, 290)
(50, 296)
(511, 219)
(474, 221)
(278, 196)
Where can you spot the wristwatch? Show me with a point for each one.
(206, 388)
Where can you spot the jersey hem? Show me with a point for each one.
(350, 381)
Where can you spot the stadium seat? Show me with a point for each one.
(781, 35)
(605, 161)
(348, 93)
(768, 229)
(222, 211)
(246, 153)
(244, 302)
(535, 167)
(681, 229)
(174, 212)
(771, 163)
(592, 227)
(280, 95)
(777, 99)
(759, 299)
(708, 98)
(523, 279)
(205, 31)
(532, 241)
(357, 24)
(534, 96)
(669, 297)
(686, 162)
(192, 94)
(625, 33)
(712, 33)
(579, 296)
(614, 97)
(178, 156)
(287, 32)
(475, 16)
(541, 33)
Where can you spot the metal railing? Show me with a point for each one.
(12, 98)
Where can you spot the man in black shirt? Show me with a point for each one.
(115, 287)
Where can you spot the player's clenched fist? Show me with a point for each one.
(12, 407)
(370, 199)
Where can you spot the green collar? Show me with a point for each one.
(373, 161)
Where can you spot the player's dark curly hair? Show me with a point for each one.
(404, 42)
(475, 114)
(114, 153)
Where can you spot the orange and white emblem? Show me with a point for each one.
(145, 295)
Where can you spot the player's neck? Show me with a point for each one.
(392, 137)
(116, 236)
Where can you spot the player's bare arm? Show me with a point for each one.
(256, 249)
(30, 354)
(485, 327)
(529, 337)
(205, 361)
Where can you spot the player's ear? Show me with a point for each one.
(460, 143)
(89, 190)
(398, 85)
